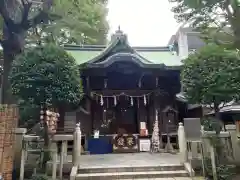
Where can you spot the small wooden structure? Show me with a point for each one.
(8, 124)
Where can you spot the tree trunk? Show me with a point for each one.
(60, 127)
(236, 31)
(46, 153)
(218, 145)
(13, 44)
(234, 21)
(6, 87)
(14, 34)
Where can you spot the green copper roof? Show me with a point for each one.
(83, 56)
(167, 58)
(156, 57)
(119, 46)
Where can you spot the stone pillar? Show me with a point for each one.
(77, 145)
(23, 156)
(235, 142)
(63, 156)
(182, 143)
(54, 160)
(213, 161)
(194, 149)
(19, 134)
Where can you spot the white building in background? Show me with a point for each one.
(185, 41)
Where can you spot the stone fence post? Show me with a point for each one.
(19, 134)
(182, 143)
(77, 145)
(232, 129)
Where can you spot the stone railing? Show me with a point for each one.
(33, 144)
(60, 156)
(204, 147)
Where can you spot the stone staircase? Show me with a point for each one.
(132, 172)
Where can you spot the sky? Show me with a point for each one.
(146, 22)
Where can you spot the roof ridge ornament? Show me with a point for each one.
(119, 28)
(119, 35)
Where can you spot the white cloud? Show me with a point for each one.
(146, 22)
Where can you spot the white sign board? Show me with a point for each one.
(144, 145)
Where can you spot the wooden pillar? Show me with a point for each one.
(136, 109)
(148, 117)
(151, 115)
(91, 117)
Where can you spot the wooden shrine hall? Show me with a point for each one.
(124, 89)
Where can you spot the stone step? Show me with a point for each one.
(165, 167)
(132, 175)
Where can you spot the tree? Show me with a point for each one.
(82, 22)
(211, 76)
(46, 75)
(219, 14)
(17, 19)
(73, 21)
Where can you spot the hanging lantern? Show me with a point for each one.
(144, 100)
(101, 100)
(131, 101)
(115, 100)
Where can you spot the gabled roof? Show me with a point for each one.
(94, 56)
(118, 44)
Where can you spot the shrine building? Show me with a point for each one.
(125, 89)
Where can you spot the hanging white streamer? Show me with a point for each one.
(115, 100)
(131, 101)
(101, 101)
(144, 100)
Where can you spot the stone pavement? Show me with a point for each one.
(176, 178)
(132, 160)
(128, 160)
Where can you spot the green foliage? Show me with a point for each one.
(28, 115)
(40, 177)
(46, 74)
(211, 76)
(220, 14)
(224, 171)
(81, 22)
(211, 124)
